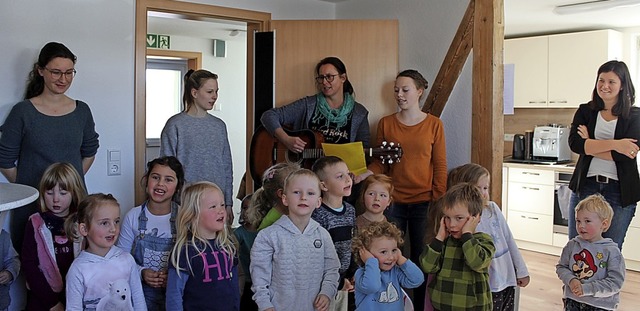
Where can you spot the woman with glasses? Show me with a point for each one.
(45, 128)
(333, 111)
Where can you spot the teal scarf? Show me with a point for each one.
(339, 116)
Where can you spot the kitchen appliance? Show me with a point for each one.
(551, 142)
(562, 197)
(518, 151)
(528, 145)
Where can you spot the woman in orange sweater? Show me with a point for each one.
(421, 176)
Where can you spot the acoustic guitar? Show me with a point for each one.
(266, 150)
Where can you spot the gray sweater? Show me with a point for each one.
(289, 268)
(202, 146)
(36, 140)
(297, 115)
(599, 266)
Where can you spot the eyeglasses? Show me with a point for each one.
(57, 74)
(329, 78)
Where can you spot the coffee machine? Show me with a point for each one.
(551, 143)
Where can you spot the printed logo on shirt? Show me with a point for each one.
(217, 266)
(317, 243)
(390, 295)
(585, 266)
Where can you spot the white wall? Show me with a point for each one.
(427, 28)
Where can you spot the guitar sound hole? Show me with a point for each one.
(293, 157)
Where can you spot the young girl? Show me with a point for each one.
(376, 196)
(383, 270)
(47, 252)
(203, 272)
(266, 203)
(103, 277)
(293, 262)
(198, 139)
(149, 230)
(508, 268)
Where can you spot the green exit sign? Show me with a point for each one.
(155, 41)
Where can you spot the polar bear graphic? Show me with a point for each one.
(118, 298)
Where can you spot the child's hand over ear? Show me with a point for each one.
(443, 233)
(365, 254)
(471, 224)
(400, 259)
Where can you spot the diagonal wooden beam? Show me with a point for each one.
(452, 65)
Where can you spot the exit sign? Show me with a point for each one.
(158, 41)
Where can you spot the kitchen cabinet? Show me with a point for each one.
(559, 71)
(630, 249)
(530, 202)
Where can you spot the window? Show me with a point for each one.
(164, 93)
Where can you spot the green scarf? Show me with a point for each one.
(339, 116)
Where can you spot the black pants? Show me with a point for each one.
(246, 301)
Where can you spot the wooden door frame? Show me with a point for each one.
(256, 21)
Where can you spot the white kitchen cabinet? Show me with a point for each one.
(559, 71)
(531, 227)
(529, 76)
(530, 201)
(630, 249)
(574, 60)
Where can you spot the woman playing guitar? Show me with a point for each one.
(333, 111)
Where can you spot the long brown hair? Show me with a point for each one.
(49, 51)
(627, 95)
(194, 80)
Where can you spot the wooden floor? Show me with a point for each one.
(545, 290)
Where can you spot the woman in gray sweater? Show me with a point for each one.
(45, 128)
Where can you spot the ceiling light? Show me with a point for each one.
(594, 6)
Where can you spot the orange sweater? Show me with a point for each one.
(421, 175)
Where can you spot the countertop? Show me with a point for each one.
(566, 167)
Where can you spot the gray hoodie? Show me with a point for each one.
(600, 268)
(289, 268)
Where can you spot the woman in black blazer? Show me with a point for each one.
(605, 133)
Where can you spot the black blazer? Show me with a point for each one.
(627, 168)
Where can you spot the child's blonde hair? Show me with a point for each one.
(374, 179)
(467, 173)
(86, 208)
(266, 197)
(298, 173)
(373, 231)
(187, 225)
(66, 176)
(597, 204)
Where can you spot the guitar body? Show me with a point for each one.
(266, 150)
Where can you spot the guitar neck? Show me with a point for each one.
(316, 153)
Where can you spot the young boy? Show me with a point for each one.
(459, 256)
(294, 265)
(338, 217)
(591, 267)
(10, 266)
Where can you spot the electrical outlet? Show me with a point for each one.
(508, 137)
(113, 162)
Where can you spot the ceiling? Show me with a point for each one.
(531, 17)
(522, 18)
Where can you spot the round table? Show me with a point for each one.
(14, 196)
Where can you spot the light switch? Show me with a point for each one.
(113, 162)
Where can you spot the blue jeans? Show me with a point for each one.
(622, 215)
(572, 305)
(412, 217)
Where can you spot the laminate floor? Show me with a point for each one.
(544, 292)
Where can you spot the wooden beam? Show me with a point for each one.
(487, 129)
(452, 65)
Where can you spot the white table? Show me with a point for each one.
(14, 196)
